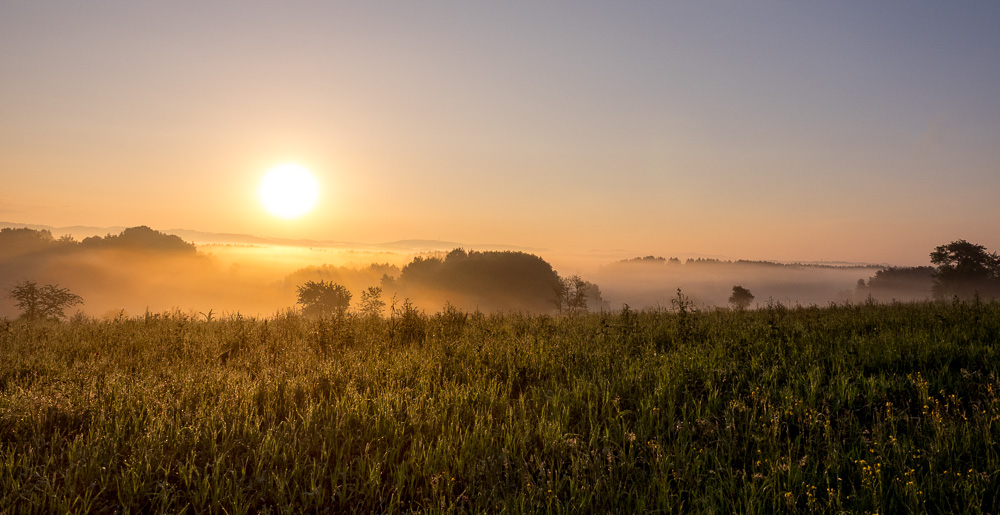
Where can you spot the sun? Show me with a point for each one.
(288, 191)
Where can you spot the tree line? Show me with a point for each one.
(467, 280)
(490, 280)
(962, 269)
(24, 241)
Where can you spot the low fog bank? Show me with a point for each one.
(132, 272)
(142, 270)
(652, 282)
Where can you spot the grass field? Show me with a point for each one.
(869, 408)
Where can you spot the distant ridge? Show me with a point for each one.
(203, 238)
(78, 231)
(209, 238)
(657, 261)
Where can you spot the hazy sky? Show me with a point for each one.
(865, 131)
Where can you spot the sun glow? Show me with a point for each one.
(289, 191)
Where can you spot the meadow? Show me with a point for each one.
(854, 408)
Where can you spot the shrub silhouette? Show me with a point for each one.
(47, 302)
(323, 298)
(741, 298)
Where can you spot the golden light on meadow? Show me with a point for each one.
(499, 256)
(289, 191)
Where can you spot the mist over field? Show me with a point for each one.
(143, 270)
(652, 282)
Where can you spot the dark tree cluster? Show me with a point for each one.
(574, 295)
(489, 280)
(486, 281)
(140, 238)
(16, 242)
(899, 283)
(965, 269)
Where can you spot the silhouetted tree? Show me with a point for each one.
(964, 269)
(47, 302)
(371, 302)
(575, 295)
(741, 298)
(571, 295)
(323, 298)
(594, 299)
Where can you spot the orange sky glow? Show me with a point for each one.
(796, 132)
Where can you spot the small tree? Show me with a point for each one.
(741, 298)
(571, 295)
(47, 302)
(323, 298)
(372, 303)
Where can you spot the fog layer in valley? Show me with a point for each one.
(652, 282)
(142, 270)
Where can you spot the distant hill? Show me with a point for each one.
(658, 262)
(80, 232)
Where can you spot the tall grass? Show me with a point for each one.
(877, 408)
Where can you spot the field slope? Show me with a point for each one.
(878, 408)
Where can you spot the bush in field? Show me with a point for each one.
(323, 298)
(407, 324)
(45, 302)
(741, 298)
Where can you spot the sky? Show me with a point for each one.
(789, 131)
